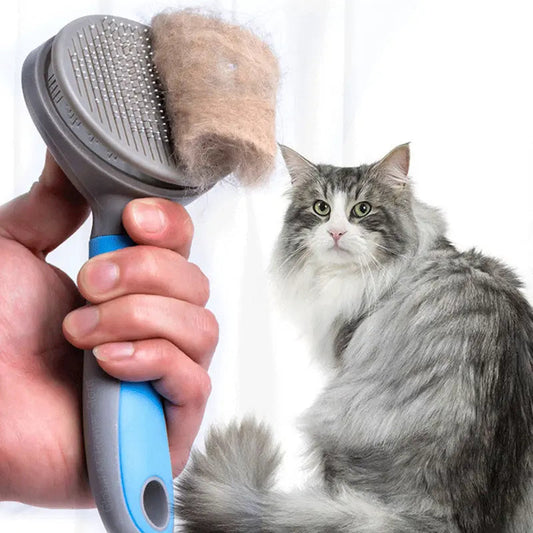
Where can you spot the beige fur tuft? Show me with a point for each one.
(221, 83)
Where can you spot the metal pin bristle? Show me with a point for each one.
(116, 60)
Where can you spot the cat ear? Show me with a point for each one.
(298, 166)
(395, 166)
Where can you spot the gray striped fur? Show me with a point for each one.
(426, 422)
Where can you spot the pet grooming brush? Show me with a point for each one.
(98, 102)
(96, 99)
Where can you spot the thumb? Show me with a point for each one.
(47, 215)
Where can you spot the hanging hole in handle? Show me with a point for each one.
(155, 503)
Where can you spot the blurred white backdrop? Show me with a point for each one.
(358, 78)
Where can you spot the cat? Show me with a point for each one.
(426, 422)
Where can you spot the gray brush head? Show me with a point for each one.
(95, 96)
(102, 69)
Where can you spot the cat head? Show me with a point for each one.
(360, 217)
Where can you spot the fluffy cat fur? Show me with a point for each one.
(426, 422)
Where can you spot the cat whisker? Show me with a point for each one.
(379, 267)
(298, 257)
(363, 268)
(292, 255)
(387, 273)
(389, 251)
(375, 288)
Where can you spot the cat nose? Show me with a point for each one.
(336, 235)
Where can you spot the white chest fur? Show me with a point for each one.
(320, 298)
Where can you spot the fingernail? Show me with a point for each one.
(148, 216)
(114, 351)
(100, 276)
(82, 321)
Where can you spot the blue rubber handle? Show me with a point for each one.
(143, 452)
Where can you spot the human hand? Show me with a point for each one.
(158, 295)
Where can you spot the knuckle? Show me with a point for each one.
(135, 310)
(163, 350)
(202, 388)
(186, 225)
(202, 285)
(147, 261)
(208, 329)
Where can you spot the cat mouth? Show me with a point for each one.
(338, 249)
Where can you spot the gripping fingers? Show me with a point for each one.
(183, 383)
(193, 329)
(159, 222)
(142, 270)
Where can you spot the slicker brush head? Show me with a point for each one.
(104, 67)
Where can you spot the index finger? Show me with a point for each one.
(159, 222)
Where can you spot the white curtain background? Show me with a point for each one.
(358, 77)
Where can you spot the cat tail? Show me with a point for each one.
(229, 489)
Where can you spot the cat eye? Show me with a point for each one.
(361, 209)
(321, 208)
